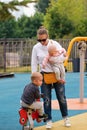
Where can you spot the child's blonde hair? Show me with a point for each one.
(51, 48)
(35, 75)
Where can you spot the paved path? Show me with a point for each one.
(78, 122)
(73, 104)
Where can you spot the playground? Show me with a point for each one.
(11, 90)
(76, 93)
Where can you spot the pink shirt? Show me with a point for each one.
(57, 58)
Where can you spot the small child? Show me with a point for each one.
(31, 94)
(56, 58)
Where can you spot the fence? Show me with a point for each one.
(15, 54)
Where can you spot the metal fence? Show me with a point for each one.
(15, 54)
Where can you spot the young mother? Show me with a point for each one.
(38, 53)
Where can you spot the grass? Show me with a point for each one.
(28, 68)
(69, 67)
(16, 69)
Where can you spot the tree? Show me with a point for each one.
(8, 28)
(6, 8)
(58, 25)
(81, 29)
(27, 26)
(42, 5)
(75, 10)
(24, 27)
(64, 16)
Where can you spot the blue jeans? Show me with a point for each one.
(60, 94)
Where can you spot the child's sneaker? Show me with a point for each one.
(26, 127)
(44, 116)
(67, 122)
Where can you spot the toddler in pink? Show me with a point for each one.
(56, 58)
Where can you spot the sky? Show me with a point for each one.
(28, 11)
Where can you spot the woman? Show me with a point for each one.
(39, 51)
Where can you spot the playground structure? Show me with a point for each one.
(76, 39)
(81, 43)
(28, 115)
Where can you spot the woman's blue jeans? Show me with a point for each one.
(60, 94)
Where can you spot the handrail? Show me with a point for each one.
(76, 39)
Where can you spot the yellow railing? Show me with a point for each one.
(76, 39)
